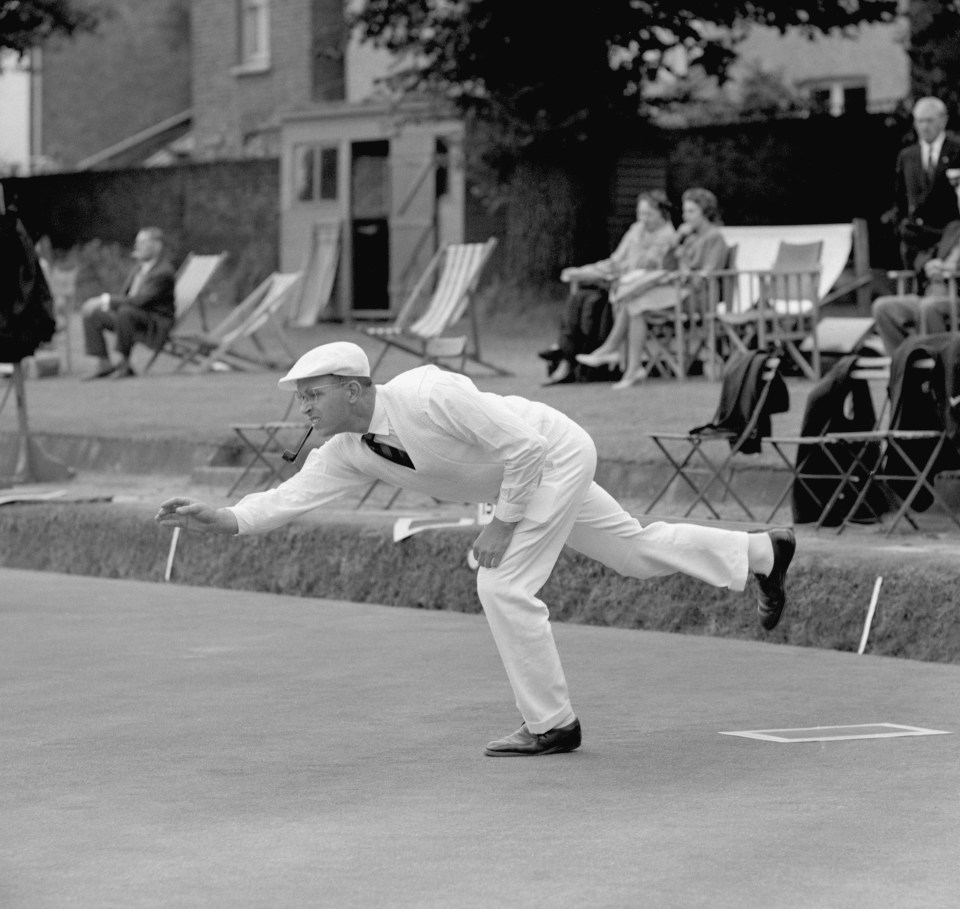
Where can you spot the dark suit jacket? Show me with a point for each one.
(930, 203)
(740, 392)
(155, 294)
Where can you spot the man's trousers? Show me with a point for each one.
(573, 510)
(899, 318)
(129, 323)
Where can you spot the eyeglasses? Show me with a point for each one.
(312, 395)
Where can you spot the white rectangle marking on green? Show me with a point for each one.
(836, 733)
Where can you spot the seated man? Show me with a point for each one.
(144, 311)
(899, 317)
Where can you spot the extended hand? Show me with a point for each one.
(193, 515)
(489, 547)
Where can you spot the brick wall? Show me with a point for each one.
(131, 74)
(238, 113)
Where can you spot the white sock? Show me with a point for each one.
(760, 553)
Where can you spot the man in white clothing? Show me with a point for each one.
(434, 432)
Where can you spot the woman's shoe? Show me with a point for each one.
(628, 381)
(599, 359)
(562, 374)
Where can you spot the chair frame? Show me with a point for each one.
(885, 441)
(753, 318)
(256, 311)
(694, 443)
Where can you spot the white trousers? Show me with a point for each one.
(591, 521)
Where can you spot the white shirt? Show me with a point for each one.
(467, 445)
(930, 152)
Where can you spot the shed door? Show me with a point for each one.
(370, 226)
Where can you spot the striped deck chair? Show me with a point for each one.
(193, 279)
(262, 309)
(319, 272)
(420, 331)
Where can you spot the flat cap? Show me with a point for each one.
(340, 358)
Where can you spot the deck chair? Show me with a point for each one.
(260, 311)
(777, 306)
(319, 272)
(63, 288)
(453, 274)
(752, 390)
(193, 279)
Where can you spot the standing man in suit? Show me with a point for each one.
(925, 202)
(432, 431)
(144, 311)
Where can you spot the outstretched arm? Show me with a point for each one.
(193, 515)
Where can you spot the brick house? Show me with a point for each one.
(127, 86)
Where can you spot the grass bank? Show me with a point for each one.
(918, 615)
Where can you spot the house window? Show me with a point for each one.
(838, 97)
(314, 173)
(254, 33)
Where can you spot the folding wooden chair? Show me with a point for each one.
(893, 461)
(678, 334)
(752, 390)
(420, 331)
(261, 310)
(193, 279)
(778, 306)
(264, 445)
(827, 465)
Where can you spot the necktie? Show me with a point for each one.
(928, 164)
(387, 451)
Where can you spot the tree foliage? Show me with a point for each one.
(549, 87)
(934, 51)
(547, 70)
(29, 23)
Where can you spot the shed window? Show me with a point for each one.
(314, 173)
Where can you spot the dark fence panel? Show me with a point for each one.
(804, 171)
(203, 208)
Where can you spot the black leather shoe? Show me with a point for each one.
(123, 372)
(771, 596)
(524, 743)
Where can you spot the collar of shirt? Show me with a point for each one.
(380, 425)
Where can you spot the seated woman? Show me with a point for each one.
(698, 249)
(586, 319)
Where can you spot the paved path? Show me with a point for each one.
(165, 746)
